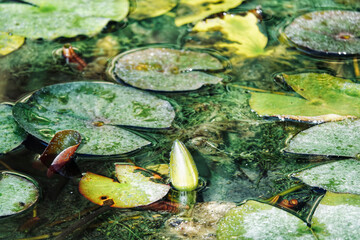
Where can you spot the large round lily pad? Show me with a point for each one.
(68, 18)
(11, 133)
(95, 110)
(165, 69)
(136, 187)
(332, 32)
(255, 220)
(17, 193)
(340, 176)
(329, 139)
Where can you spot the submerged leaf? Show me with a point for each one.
(67, 18)
(12, 134)
(95, 110)
(241, 33)
(329, 139)
(324, 98)
(9, 43)
(337, 217)
(190, 11)
(255, 220)
(340, 176)
(136, 187)
(149, 8)
(165, 69)
(332, 32)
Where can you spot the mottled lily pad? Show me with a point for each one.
(17, 193)
(337, 217)
(95, 110)
(9, 43)
(242, 35)
(329, 139)
(149, 8)
(66, 18)
(255, 220)
(12, 135)
(323, 98)
(341, 176)
(165, 69)
(135, 187)
(332, 32)
(190, 11)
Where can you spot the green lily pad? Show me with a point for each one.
(17, 193)
(149, 8)
(190, 11)
(165, 69)
(340, 176)
(136, 187)
(12, 134)
(255, 220)
(9, 43)
(330, 139)
(332, 32)
(67, 18)
(95, 110)
(323, 98)
(337, 217)
(242, 35)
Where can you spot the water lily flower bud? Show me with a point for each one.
(183, 172)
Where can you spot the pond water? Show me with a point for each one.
(239, 155)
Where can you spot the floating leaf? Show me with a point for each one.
(165, 69)
(58, 154)
(95, 110)
(337, 217)
(255, 220)
(330, 139)
(9, 43)
(340, 176)
(12, 134)
(136, 187)
(67, 18)
(148, 8)
(325, 98)
(332, 32)
(17, 193)
(241, 33)
(190, 11)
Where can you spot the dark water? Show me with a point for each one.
(237, 153)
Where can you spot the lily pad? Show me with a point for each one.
(330, 139)
(255, 220)
(67, 18)
(242, 35)
(136, 187)
(340, 176)
(337, 217)
(9, 43)
(12, 134)
(17, 193)
(323, 98)
(190, 11)
(165, 69)
(149, 8)
(95, 110)
(332, 32)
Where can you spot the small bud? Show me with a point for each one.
(183, 172)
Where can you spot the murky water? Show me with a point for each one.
(238, 154)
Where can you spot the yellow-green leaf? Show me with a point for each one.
(9, 43)
(149, 8)
(190, 11)
(241, 34)
(323, 98)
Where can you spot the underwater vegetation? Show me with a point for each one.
(181, 119)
